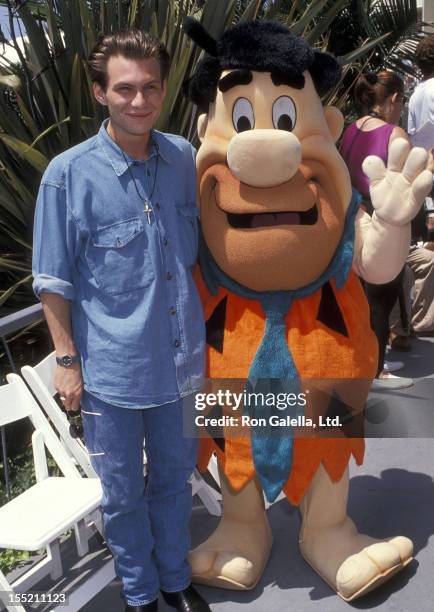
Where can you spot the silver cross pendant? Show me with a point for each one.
(148, 211)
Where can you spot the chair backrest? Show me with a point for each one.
(45, 370)
(40, 380)
(14, 405)
(16, 402)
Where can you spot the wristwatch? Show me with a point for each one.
(67, 360)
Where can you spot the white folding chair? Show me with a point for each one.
(38, 517)
(40, 380)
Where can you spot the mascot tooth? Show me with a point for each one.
(283, 244)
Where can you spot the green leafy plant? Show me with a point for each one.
(10, 559)
(46, 101)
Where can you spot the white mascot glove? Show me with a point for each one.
(398, 191)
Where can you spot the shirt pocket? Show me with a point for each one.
(118, 257)
(188, 232)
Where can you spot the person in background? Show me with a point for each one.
(380, 98)
(421, 104)
(421, 256)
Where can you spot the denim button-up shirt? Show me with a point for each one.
(136, 316)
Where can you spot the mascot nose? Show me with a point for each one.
(264, 158)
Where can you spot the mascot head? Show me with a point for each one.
(273, 188)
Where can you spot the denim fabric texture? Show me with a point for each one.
(145, 520)
(136, 315)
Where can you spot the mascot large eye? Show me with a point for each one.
(284, 114)
(242, 115)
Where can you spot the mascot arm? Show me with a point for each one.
(380, 249)
(397, 192)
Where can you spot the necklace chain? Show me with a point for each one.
(376, 115)
(145, 200)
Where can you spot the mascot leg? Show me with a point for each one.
(235, 555)
(351, 563)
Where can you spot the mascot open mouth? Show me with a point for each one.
(272, 219)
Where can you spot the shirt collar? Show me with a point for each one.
(120, 160)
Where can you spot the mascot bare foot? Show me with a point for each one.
(235, 555)
(284, 244)
(353, 564)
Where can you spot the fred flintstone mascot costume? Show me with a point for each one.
(283, 245)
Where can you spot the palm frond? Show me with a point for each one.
(46, 99)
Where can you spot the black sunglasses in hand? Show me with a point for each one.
(74, 419)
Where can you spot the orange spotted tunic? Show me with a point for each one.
(319, 352)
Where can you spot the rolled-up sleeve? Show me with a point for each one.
(54, 243)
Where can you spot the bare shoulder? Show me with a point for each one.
(398, 132)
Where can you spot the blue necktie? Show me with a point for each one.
(273, 372)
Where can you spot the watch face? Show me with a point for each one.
(67, 360)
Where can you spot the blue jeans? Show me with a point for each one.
(145, 520)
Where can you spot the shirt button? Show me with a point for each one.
(172, 311)
(177, 343)
(157, 205)
(165, 242)
(169, 276)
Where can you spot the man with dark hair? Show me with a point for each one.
(114, 277)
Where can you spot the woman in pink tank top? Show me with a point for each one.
(380, 97)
